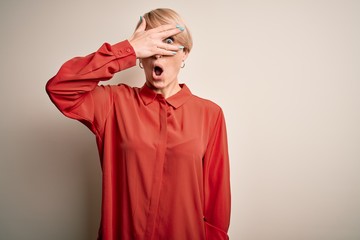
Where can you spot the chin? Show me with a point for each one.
(157, 84)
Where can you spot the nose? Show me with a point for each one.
(157, 56)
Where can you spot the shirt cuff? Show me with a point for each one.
(125, 54)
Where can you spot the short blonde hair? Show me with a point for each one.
(163, 16)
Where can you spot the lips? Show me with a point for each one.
(158, 71)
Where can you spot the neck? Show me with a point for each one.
(167, 91)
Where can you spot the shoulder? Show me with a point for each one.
(123, 90)
(205, 104)
(116, 92)
(122, 87)
(206, 109)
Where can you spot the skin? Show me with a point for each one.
(153, 48)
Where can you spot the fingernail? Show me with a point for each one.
(140, 18)
(180, 27)
(173, 53)
(181, 47)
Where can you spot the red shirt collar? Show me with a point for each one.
(176, 100)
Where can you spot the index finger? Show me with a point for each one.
(169, 33)
(166, 27)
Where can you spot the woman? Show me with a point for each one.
(163, 150)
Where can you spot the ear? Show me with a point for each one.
(185, 55)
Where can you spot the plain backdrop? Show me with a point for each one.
(286, 73)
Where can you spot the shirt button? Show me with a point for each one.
(128, 50)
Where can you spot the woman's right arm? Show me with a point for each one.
(74, 89)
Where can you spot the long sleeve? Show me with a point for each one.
(75, 91)
(217, 183)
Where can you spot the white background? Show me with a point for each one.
(286, 74)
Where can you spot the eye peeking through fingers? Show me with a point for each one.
(169, 40)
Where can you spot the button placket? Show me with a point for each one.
(158, 172)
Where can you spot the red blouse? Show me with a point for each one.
(164, 161)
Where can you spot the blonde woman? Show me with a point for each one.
(163, 150)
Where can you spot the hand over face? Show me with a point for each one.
(151, 42)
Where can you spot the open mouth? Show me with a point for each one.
(158, 70)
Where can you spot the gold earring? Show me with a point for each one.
(140, 65)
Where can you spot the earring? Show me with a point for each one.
(183, 64)
(140, 65)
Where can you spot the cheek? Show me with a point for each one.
(147, 68)
(176, 63)
(174, 69)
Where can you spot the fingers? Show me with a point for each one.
(168, 47)
(147, 43)
(169, 33)
(165, 31)
(163, 28)
(142, 25)
(165, 52)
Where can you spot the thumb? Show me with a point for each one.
(142, 25)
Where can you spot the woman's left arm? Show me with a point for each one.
(217, 183)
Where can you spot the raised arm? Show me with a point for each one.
(74, 89)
